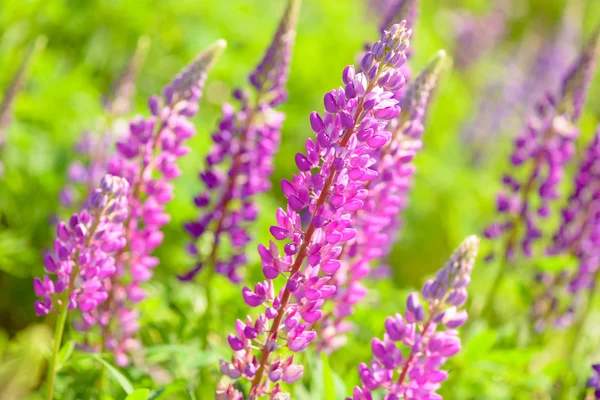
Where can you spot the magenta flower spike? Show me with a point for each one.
(147, 159)
(83, 260)
(377, 224)
(578, 236)
(329, 188)
(240, 163)
(96, 148)
(84, 251)
(542, 150)
(417, 374)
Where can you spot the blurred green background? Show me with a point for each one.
(89, 43)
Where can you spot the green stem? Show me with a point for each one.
(209, 300)
(578, 329)
(58, 334)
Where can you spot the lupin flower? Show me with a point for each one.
(523, 77)
(378, 222)
(417, 374)
(84, 251)
(95, 149)
(544, 148)
(240, 163)
(578, 236)
(147, 159)
(477, 34)
(594, 381)
(325, 194)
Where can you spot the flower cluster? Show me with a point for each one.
(95, 150)
(240, 163)
(147, 158)
(317, 221)
(378, 222)
(418, 375)
(542, 150)
(577, 236)
(83, 257)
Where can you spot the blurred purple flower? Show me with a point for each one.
(95, 150)
(546, 146)
(478, 34)
(578, 236)
(524, 76)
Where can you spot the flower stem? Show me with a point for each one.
(207, 320)
(58, 334)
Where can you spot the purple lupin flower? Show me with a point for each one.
(546, 146)
(84, 251)
(477, 34)
(95, 150)
(523, 76)
(240, 163)
(147, 159)
(328, 190)
(594, 381)
(83, 260)
(577, 236)
(378, 222)
(417, 374)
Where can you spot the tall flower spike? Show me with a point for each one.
(83, 256)
(325, 194)
(578, 236)
(147, 159)
(478, 34)
(83, 260)
(378, 222)
(240, 163)
(547, 145)
(534, 68)
(578, 79)
(96, 148)
(418, 375)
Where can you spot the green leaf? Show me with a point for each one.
(65, 353)
(139, 394)
(123, 381)
(328, 387)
